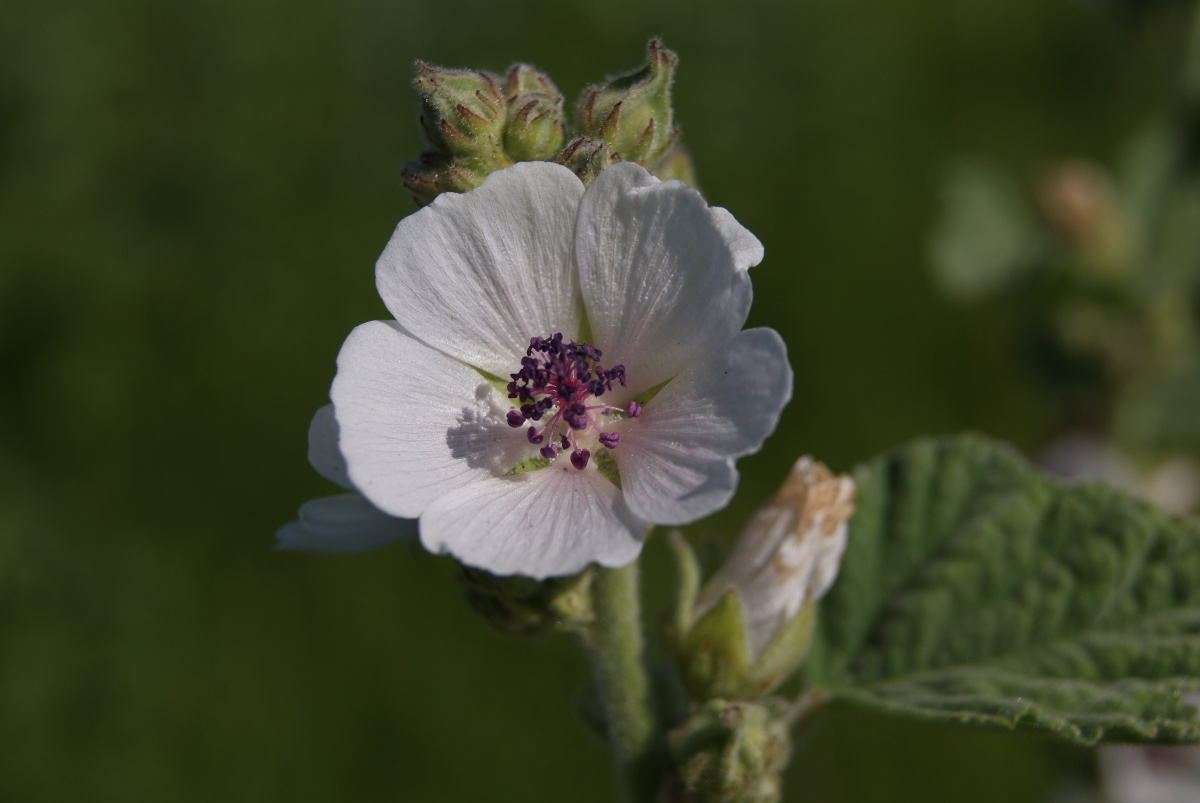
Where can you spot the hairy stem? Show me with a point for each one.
(616, 651)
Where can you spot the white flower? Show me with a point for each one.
(523, 452)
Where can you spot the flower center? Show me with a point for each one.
(559, 379)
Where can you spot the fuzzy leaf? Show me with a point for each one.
(976, 590)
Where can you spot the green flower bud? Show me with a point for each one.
(535, 120)
(749, 628)
(587, 157)
(462, 113)
(732, 752)
(632, 113)
(436, 173)
(522, 606)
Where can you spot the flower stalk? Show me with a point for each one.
(615, 648)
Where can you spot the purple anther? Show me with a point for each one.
(609, 439)
(633, 409)
(566, 444)
(579, 458)
(533, 435)
(576, 416)
(548, 451)
(514, 419)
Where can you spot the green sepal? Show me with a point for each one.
(607, 467)
(522, 606)
(784, 654)
(688, 568)
(714, 657)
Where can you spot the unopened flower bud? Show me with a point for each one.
(750, 626)
(632, 113)
(732, 752)
(534, 131)
(587, 157)
(522, 606)
(436, 173)
(1081, 204)
(462, 113)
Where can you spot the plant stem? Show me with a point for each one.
(617, 654)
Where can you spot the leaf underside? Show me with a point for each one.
(974, 589)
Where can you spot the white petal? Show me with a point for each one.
(477, 274)
(544, 523)
(344, 523)
(663, 276)
(415, 424)
(676, 458)
(323, 451)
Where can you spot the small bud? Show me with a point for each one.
(462, 113)
(522, 606)
(587, 157)
(732, 752)
(750, 626)
(535, 119)
(1081, 204)
(632, 113)
(436, 173)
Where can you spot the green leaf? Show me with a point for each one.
(976, 590)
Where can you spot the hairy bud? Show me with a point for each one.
(632, 112)
(534, 131)
(462, 113)
(587, 157)
(732, 752)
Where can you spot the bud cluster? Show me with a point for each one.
(732, 751)
(476, 122)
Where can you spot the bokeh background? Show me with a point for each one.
(192, 196)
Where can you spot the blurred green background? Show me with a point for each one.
(192, 196)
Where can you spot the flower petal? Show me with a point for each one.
(663, 275)
(477, 274)
(676, 459)
(344, 523)
(544, 523)
(415, 424)
(323, 451)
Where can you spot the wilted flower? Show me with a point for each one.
(563, 368)
(750, 625)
